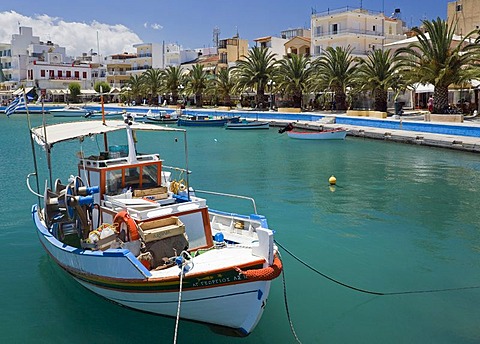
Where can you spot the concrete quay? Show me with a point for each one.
(457, 142)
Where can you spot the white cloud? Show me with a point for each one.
(156, 26)
(76, 37)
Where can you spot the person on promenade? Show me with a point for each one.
(430, 104)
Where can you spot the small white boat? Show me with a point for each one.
(246, 125)
(70, 111)
(327, 134)
(126, 230)
(161, 117)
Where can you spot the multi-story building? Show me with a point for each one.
(231, 50)
(118, 69)
(361, 29)
(275, 45)
(465, 15)
(52, 74)
(149, 55)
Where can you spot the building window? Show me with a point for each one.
(42, 73)
(69, 74)
(459, 8)
(51, 74)
(318, 50)
(77, 74)
(319, 31)
(84, 75)
(374, 28)
(334, 29)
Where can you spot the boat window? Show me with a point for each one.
(132, 177)
(113, 183)
(149, 176)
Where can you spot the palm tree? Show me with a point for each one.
(152, 80)
(436, 59)
(255, 71)
(196, 83)
(224, 84)
(377, 73)
(335, 70)
(173, 78)
(294, 73)
(136, 87)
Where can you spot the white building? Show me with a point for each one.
(358, 28)
(275, 45)
(149, 55)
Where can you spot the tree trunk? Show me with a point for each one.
(260, 99)
(440, 99)
(380, 100)
(340, 100)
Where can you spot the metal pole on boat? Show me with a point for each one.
(47, 148)
(186, 162)
(32, 144)
(105, 141)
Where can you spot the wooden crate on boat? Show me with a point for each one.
(161, 229)
(156, 193)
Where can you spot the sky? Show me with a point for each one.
(118, 25)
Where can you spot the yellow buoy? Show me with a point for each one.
(332, 180)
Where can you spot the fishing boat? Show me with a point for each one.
(200, 120)
(161, 117)
(246, 125)
(69, 111)
(326, 134)
(126, 228)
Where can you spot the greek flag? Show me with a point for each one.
(17, 103)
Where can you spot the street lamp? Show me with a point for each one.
(271, 85)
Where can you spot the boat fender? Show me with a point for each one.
(266, 274)
(124, 218)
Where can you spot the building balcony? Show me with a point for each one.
(345, 32)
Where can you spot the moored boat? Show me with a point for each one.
(245, 125)
(326, 134)
(161, 117)
(128, 231)
(69, 111)
(200, 120)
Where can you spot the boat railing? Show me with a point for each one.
(177, 169)
(230, 195)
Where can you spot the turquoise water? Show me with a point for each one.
(401, 218)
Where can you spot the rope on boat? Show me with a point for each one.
(185, 264)
(178, 307)
(369, 291)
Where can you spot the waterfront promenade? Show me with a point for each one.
(409, 128)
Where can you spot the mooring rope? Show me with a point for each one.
(286, 306)
(178, 306)
(369, 291)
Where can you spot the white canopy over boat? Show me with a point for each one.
(52, 134)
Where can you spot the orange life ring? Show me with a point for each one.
(123, 217)
(266, 274)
